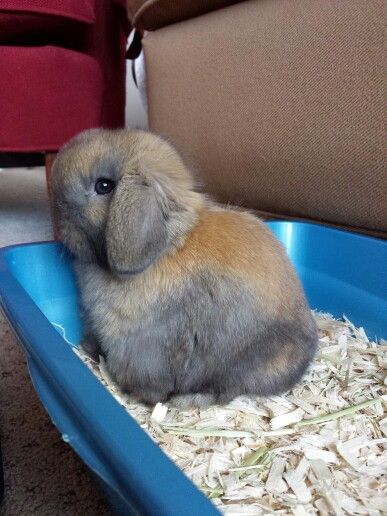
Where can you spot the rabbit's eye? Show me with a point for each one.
(103, 186)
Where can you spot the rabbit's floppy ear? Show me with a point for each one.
(136, 232)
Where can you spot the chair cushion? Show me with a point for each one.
(153, 14)
(79, 10)
(43, 20)
(285, 116)
(35, 29)
(48, 94)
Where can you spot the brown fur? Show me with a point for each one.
(240, 245)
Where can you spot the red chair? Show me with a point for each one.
(62, 70)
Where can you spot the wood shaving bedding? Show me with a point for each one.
(321, 448)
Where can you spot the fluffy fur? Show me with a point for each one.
(182, 297)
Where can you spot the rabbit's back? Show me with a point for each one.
(236, 245)
(223, 313)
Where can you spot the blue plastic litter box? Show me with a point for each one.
(342, 273)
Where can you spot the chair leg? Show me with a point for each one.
(49, 160)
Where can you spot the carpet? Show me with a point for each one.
(43, 476)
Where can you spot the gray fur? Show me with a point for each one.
(208, 338)
(202, 338)
(136, 229)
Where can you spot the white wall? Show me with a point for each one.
(135, 114)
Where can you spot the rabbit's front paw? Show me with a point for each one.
(92, 349)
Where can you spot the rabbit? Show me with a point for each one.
(187, 301)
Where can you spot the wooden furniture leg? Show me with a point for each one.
(49, 160)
